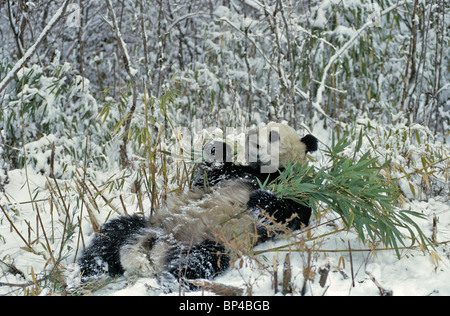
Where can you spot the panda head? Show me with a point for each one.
(275, 145)
(217, 152)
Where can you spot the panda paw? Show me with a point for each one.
(135, 262)
(265, 203)
(262, 201)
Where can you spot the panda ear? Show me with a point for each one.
(311, 143)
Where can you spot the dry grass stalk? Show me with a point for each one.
(29, 248)
(217, 288)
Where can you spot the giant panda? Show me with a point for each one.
(194, 235)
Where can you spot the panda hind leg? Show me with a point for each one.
(102, 254)
(202, 261)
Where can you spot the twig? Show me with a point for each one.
(351, 264)
(383, 291)
(144, 42)
(25, 285)
(15, 228)
(180, 19)
(19, 41)
(13, 269)
(49, 249)
(301, 93)
(278, 249)
(298, 243)
(100, 194)
(411, 59)
(290, 57)
(319, 94)
(123, 205)
(30, 52)
(421, 169)
(131, 73)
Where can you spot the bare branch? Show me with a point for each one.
(266, 59)
(13, 28)
(317, 104)
(131, 73)
(30, 52)
(123, 46)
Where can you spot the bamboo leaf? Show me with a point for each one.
(356, 191)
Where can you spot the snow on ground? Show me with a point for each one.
(417, 273)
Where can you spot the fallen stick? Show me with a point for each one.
(383, 291)
(217, 288)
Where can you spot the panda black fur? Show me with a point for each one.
(192, 235)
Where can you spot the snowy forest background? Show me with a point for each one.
(90, 122)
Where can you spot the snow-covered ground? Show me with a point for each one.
(415, 274)
(24, 258)
(357, 68)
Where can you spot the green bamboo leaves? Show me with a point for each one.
(356, 190)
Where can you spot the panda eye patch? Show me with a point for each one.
(274, 136)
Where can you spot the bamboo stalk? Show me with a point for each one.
(351, 263)
(298, 243)
(275, 274)
(49, 249)
(287, 275)
(323, 272)
(347, 250)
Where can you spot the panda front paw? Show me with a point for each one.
(265, 203)
(261, 200)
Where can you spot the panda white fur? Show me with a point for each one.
(193, 235)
